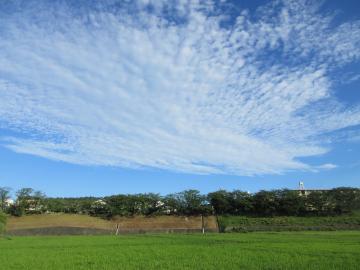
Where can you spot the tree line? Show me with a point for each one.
(283, 202)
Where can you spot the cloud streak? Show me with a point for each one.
(181, 86)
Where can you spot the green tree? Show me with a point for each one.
(172, 204)
(290, 203)
(241, 202)
(190, 202)
(29, 201)
(346, 200)
(100, 208)
(265, 203)
(150, 203)
(16, 210)
(120, 205)
(23, 196)
(4, 196)
(221, 202)
(320, 203)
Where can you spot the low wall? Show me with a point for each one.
(58, 231)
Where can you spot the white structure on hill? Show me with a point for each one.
(9, 202)
(303, 191)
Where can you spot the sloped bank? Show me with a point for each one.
(66, 224)
(253, 224)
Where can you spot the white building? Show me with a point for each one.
(9, 202)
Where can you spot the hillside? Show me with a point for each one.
(252, 224)
(60, 224)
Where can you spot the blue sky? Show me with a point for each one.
(107, 97)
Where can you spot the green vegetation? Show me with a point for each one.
(2, 222)
(250, 224)
(283, 202)
(4, 196)
(305, 250)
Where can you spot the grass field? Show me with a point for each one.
(290, 250)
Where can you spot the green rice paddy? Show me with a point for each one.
(286, 250)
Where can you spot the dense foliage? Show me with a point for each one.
(282, 202)
(286, 223)
(286, 202)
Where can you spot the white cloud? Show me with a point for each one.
(188, 92)
(327, 166)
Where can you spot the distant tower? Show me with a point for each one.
(301, 185)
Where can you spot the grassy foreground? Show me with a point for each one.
(290, 250)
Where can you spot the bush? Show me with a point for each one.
(16, 210)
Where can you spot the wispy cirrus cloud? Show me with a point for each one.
(178, 85)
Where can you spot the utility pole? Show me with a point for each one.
(202, 224)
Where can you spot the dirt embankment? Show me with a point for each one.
(62, 224)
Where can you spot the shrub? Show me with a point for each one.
(16, 210)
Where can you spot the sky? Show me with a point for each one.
(107, 97)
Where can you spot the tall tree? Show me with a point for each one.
(29, 200)
(242, 202)
(291, 203)
(220, 200)
(191, 202)
(265, 203)
(4, 196)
